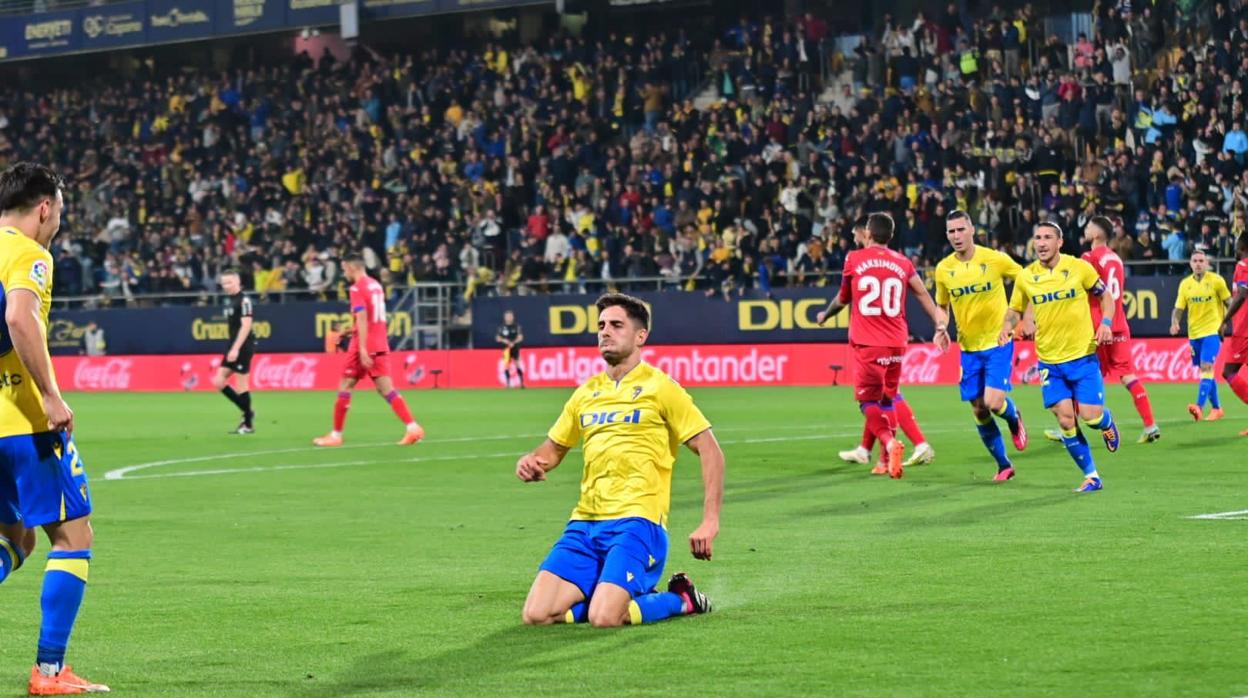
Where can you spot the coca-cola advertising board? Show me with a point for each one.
(1154, 360)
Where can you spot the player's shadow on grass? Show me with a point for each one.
(904, 499)
(965, 516)
(480, 668)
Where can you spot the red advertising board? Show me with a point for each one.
(1155, 360)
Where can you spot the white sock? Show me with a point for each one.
(336, 434)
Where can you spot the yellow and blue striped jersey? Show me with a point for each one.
(1059, 297)
(1205, 301)
(632, 431)
(976, 292)
(24, 264)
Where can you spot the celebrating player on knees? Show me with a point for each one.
(1056, 286)
(368, 355)
(873, 286)
(43, 481)
(971, 282)
(632, 419)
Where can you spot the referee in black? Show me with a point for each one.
(510, 336)
(237, 359)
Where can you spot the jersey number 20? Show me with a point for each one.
(879, 297)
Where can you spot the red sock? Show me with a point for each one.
(340, 410)
(880, 422)
(1239, 384)
(868, 438)
(905, 418)
(399, 405)
(1142, 405)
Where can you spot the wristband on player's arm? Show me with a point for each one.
(1107, 322)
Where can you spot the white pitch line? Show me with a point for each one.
(124, 473)
(1223, 516)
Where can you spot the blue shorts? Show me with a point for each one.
(628, 553)
(1079, 380)
(989, 368)
(1205, 349)
(42, 480)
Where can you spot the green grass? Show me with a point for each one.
(376, 570)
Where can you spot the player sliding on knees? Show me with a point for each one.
(632, 419)
(971, 281)
(1056, 287)
(873, 286)
(368, 355)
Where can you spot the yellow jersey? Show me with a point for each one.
(1205, 301)
(1060, 298)
(632, 431)
(976, 292)
(24, 264)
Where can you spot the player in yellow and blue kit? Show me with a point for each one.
(1057, 287)
(970, 283)
(632, 419)
(43, 482)
(1204, 296)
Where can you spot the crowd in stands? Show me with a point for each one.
(576, 162)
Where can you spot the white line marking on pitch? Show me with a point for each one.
(1223, 516)
(124, 473)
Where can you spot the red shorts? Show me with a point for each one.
(1237, 350)
(877, 372)
(1115, 357)
(356, 370)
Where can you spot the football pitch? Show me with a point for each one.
(259, 566)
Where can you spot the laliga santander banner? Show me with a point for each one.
(1154, 360)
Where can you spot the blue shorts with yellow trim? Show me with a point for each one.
(990, 368)
(42, 479)
(628, 553)
(1079, 380)
(1205, 349)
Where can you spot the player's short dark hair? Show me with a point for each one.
(231, 271)
(860, 223)
(632, 306)
(1106, 225)
(25, 184)
(958, 214)
(354, 258)
(1053, 225)
(880, 225)
(1241, 243)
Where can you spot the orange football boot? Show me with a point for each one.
(413, 435)
(1195, 411)
(1215, 414)
(65, 683)
(895, 452)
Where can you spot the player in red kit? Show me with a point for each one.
(1236, 326)
(909, 424)
(1115, 357)
(873, 286)
(368, 355)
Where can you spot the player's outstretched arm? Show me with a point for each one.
(935, 312)
(712, 456)
(533, 466)
(29, 340)
(1237, 301)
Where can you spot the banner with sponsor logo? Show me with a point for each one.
(787, 315)
(278, 327)
(160, 21)
(1154, 360)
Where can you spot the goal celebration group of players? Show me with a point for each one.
(631, 419)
